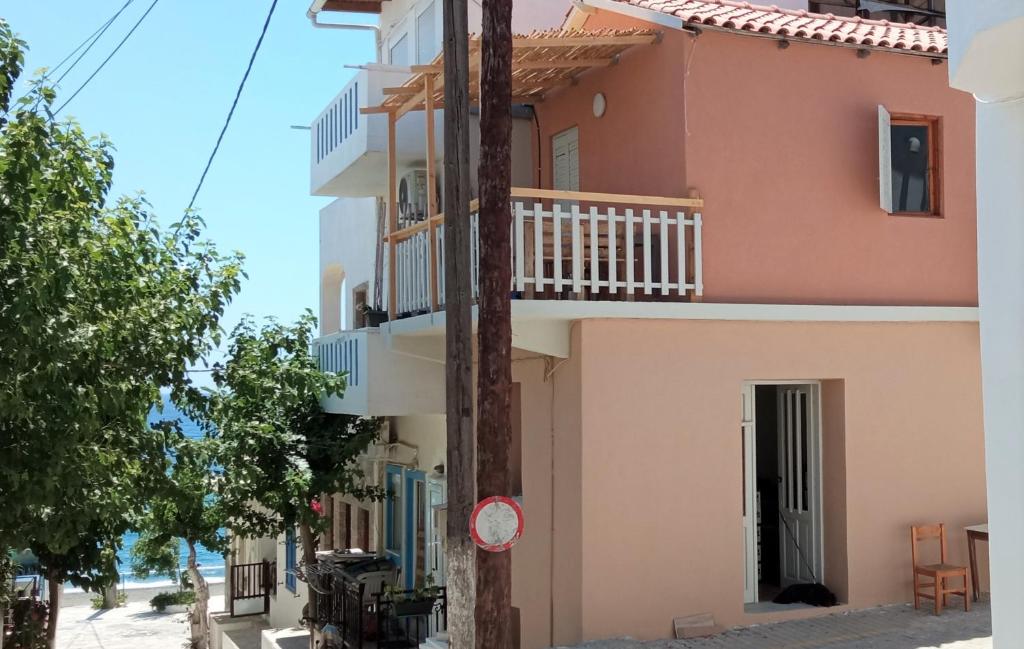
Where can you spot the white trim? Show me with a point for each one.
(817, 439)
(571, 310)
(580, 310)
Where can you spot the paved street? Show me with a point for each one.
(890, 627)
(134, 626)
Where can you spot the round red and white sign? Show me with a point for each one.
(496, 523)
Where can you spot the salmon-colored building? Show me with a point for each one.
(744, 319)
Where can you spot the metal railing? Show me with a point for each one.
(252, 581)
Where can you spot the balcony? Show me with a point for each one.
(567, 246)
(349, 150)
(381, 380)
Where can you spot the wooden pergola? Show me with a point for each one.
(542, 62)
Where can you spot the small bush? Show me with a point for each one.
(97, 602)
(182, 597)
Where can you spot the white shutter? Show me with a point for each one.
(566, 150)
(884, 159)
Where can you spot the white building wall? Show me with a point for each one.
(987, 58)
(348, 230)
(286, 606)
(398, 19)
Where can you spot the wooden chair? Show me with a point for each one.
(938, 572)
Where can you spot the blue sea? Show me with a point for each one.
(211, 564)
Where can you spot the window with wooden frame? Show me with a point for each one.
(909, 164)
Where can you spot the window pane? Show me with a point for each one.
(400, 51)
(910, 147)
(427, 46)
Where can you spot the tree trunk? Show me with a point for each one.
(309, 559)
(199, 620)
(494, 337)
(459, 326)
(110, 597)
(53, 585)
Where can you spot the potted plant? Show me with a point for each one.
(419, 601)
(374, 317)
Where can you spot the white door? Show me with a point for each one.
(748, 437)
(436, 536)
(799, 488)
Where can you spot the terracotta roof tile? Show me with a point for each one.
(744, 16)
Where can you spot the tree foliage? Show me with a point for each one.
(279, 450)
(185, 508)
(100, 308)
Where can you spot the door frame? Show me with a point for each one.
(409, 546)
(749, 432)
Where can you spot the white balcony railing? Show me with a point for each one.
(379, 380)
(340, 353)
(348, 150)
(571, 245)
(339, 121)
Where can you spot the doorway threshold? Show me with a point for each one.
(771, 607)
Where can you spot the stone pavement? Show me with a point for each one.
(134, 626)
(887, 627)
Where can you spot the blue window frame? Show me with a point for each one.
(414, 559)
(289, 560)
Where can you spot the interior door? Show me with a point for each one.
(747, 437)
(799, 492)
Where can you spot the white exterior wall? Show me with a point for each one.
(527, 15)
(987, 58)
(348, 230)
(286, 606)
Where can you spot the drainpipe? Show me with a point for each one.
(318, 5)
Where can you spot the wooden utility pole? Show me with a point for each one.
(494, 338)
(458, 326)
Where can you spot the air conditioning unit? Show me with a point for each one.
(412, 198)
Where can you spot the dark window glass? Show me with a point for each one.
(910, 182)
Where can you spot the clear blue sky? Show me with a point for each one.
(163, 98)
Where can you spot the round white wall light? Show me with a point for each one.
(600, 104)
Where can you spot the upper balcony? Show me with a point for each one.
(565, 246)
(349, 149)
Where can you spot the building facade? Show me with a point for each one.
(745, 326)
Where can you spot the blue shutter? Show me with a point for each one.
(289, 560)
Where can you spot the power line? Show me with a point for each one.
(90, 40)
(109, 56)
(231, 112)
(96, 35)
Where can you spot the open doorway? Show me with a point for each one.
(781, 487)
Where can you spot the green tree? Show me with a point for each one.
(279, 450)
(100, 308)
(186, 509)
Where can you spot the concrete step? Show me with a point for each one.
(439, 641)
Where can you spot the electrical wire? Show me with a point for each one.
(90, 40)
(234, 104)
(96, 35)
(109, 56)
